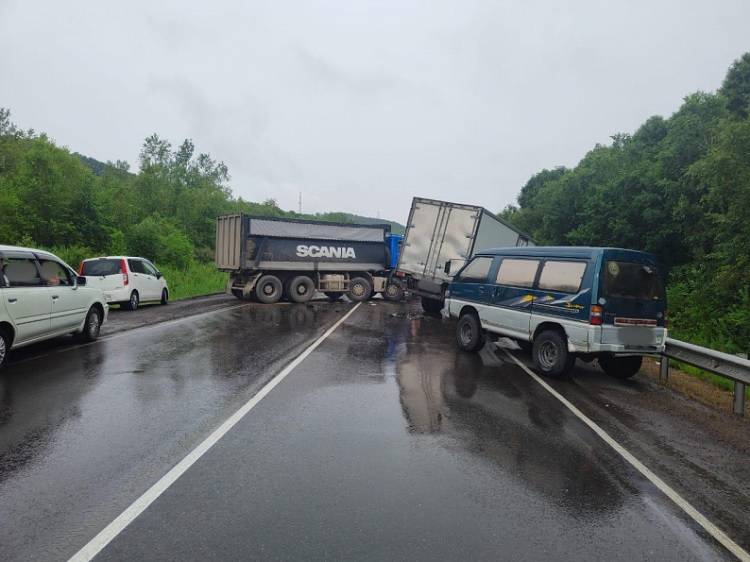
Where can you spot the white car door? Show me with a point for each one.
(25, 298)
(157, 282)
(69, 305)
(139, 279)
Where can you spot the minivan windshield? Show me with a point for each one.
(96, 268)
(629, 280)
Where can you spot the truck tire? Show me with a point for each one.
(433, 306)
(360, 289)
(301, 289)
(269, 289)
(551, 355)
(334, 296)
(469, 333)
(393, 292)
(621, 367)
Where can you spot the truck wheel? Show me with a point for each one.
(269, 289)
(360, 289)
(393, 292)
(333, 296)
(551, 356)
(469, 334)
(301, 289)
(433, 306)
(621, 367)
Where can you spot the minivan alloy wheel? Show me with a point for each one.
(3, 349)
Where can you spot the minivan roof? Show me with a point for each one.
(568, 252)
(5, 248)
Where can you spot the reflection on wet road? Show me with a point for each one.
(85, 430)
(387, 444)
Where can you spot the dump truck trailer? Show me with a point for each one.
(440, 238)
(273, 258)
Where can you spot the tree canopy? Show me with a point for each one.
(678, 187)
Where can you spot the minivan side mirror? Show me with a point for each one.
(81, 280)
(159, 275)
(447, 267)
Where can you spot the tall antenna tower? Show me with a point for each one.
(300, 202)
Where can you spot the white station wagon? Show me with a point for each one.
(41, 298)
(125, 280)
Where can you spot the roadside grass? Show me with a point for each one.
(194, 280)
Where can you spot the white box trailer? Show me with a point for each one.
(441, 237)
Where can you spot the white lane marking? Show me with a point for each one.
(682, 503)
(106, 535)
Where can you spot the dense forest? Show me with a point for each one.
(79, 207)
(677, 187)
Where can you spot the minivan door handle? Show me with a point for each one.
(55, 297)
(12, 300)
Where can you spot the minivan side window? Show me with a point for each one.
(562, 276)
(476, 271)
(517, 273)
(54, 273)
(136, 266)
(21, 272)
(150, 269)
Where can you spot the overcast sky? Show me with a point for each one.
(361, 105)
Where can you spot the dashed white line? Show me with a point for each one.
(106, 535)
(681, 502)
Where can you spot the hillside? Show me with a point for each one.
(165, 210)
(678, 187)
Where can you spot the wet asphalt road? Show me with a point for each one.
(384, 443)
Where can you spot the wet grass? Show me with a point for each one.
(195, 280)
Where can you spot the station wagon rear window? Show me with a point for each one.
(628, 280)
(517, 273)
(476, 271)
(97, 268)
(562, 276)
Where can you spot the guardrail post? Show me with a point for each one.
(738, 404)
(664, 369)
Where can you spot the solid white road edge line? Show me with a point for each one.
(106, 535)
(682, 503)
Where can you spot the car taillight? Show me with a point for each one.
(80, 268)
(595, 316)
(124, 271)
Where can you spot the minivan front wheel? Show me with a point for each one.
(164, 296)
(134, 301)
(469, 334)
(621, 367)
(551, 355)
(5, 344)
(92, 326)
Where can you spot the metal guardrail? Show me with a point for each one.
(733, 367)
